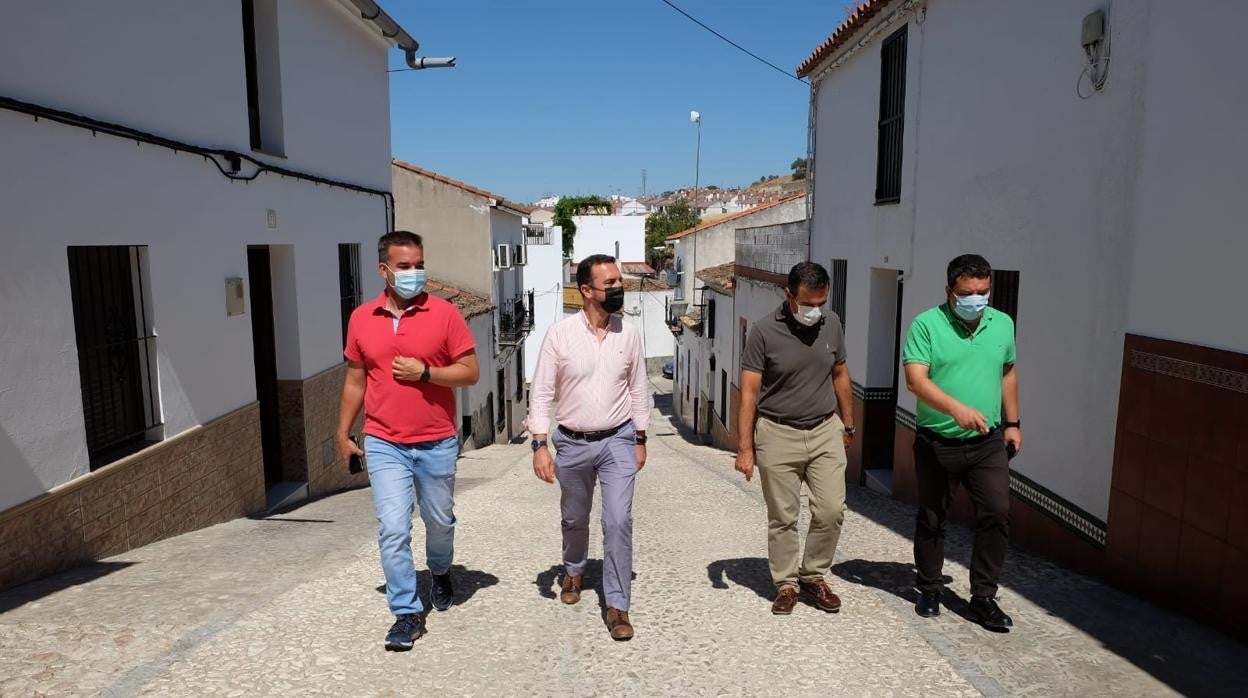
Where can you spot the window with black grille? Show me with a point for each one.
(116, 348)
(723, 397)
(708, 322)
(840, 269)
(1004, 295)
(349, 291)
(892, 118)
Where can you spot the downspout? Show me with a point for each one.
(390, 29)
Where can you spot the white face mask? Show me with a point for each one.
(808, 315)
(971, 307)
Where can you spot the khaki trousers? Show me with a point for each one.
(787, 457)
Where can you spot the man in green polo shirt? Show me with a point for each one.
(959, 359)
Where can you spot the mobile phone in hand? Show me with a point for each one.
(1010, 451)
(355, 464)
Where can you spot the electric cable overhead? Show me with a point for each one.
(739, 47)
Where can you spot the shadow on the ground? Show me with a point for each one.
(33, 591)
(749, 572)
(466, 582)
(548, 583)
(1191, 658)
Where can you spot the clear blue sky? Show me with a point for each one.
(578, 96)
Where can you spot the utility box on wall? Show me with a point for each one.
(235, 302)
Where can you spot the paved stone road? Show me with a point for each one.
(290, 605)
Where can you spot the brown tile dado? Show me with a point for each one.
(208, 475)
(318, 416)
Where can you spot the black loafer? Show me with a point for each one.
(928, 605)
(404, 633)
(443, 592)
(985, 610)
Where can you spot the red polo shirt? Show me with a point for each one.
(431, 330)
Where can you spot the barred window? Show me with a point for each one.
(892, 118)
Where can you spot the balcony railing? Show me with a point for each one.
(515, 320)
(538, 234)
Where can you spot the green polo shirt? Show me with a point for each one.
(967, 366)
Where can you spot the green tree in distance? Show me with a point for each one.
(659, 226)
(569, 206)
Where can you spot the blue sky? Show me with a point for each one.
(577, 97)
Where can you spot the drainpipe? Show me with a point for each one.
(390, 29)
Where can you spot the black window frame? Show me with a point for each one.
(1004, 296)
(116, 349)
(840, 271)
(891, 125)
(350, 291)
(253, 76)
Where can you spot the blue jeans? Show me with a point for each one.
(396, 471)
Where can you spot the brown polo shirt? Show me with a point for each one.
(796, 362)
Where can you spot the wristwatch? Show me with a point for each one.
(537, 445)
(424, 375)
(640, 439)
(1013, 425)
(851, 430)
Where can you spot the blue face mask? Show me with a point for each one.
(408, 283)
(971, 307)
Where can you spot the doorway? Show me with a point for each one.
(882, 380)
(264, 350)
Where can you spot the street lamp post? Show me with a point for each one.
(696, 118)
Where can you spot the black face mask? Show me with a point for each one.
(614, 299)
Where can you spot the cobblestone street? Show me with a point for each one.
(291, 605)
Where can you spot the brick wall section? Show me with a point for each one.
(318, 415)
(205, 476)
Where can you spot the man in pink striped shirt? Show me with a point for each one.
(593, 362)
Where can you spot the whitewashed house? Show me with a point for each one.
(187, 223)
(543, 275)
(475, 242)
(622, 237)
(1108, 197)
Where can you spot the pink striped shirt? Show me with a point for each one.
(598, 384)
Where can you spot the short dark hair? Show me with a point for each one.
(969, 265)
(809, 274)
(399, 238)
(585, 270)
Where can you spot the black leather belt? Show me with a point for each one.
(946, 441)
(804, 426)
(592, 435)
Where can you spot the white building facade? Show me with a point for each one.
(1106, 196)
(181, 254)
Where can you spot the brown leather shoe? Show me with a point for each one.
(785, 601)
(571, 591)
(824, 597)
(618, 625)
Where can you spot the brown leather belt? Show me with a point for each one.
(592, 435)
(807, 426)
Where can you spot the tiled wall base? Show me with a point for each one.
(205, 476)
(309, 420)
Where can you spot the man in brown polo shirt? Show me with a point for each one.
(793, 382)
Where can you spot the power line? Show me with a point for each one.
(739, 47)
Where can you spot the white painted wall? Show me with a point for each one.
(61, 186)
(1127, 191)
(599, 235)
(647, 311)
(472, 400)
(755, 300)
(543, 274)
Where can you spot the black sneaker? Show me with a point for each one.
(443, 591)
(404, 633)
(929, 604)
(985, 610)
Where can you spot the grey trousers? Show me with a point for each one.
(613, 461)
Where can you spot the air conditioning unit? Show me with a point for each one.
(504, 256)
(521, 254)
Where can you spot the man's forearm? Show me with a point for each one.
(937, 399)
(745, 424)
(453, 376)
(844, 389)
(1009, 396)
(349, 408)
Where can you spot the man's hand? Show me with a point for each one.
(745, 463)
(544, 465)
(970, 418)
(848, 438)
(1014, 435)
(347, 448)
(406, 368)
(641, 457)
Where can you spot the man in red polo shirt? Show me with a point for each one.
(406, 353)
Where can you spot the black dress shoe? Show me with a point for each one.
(443, 592)
(405, 632)
(929, 604)
(985, 610)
